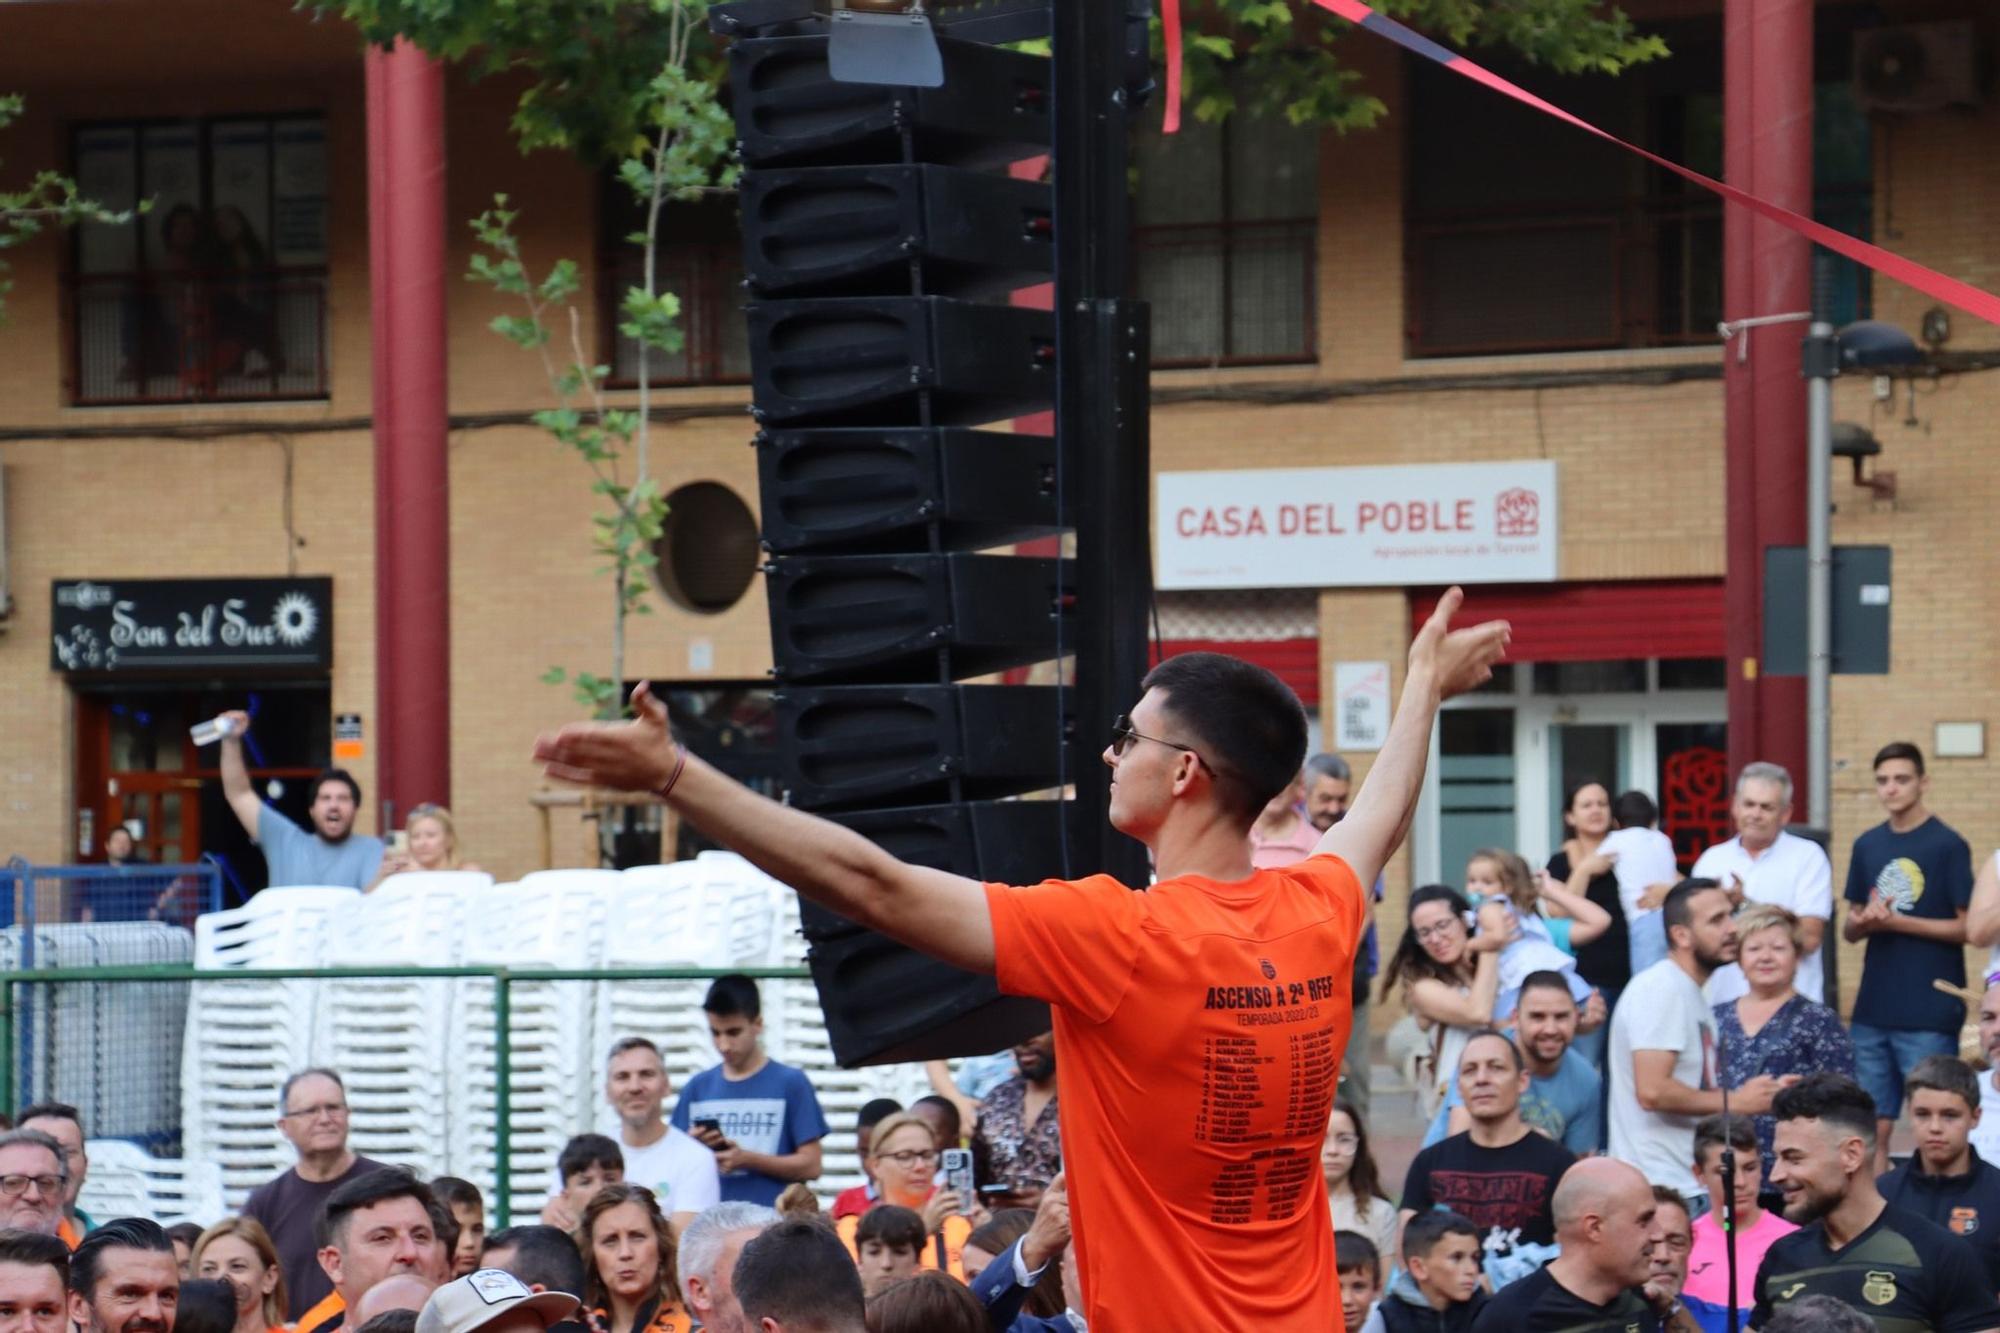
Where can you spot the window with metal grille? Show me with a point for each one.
(1227, 221)
(700, 260)
(218, 292)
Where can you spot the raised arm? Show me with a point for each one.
(1982, 919)
(942, 914)
(1443, 662)
(236, 777)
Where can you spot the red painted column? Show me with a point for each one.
(1767, 270)
(406, 235)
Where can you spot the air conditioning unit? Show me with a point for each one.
(1916, 67)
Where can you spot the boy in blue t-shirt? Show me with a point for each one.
(1910, 881)
(761, 1118)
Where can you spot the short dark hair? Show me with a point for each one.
(733, 996)
(48, 1111)
(1634, 809)
(184, 1233)
(207, 1305)
(1513, 1051)
(929, 1302)
(948, 1106)
(86, 1264)
(898, 1228)
(327, 775)
(32, 1248)
(1664, 1197)
(455, 1192)
(1002, 1229)
(1353, 1252)
(1675, 911)
(1423, 1232)
(315, 1071)
(1834, 1099)
(1713, 1131)
(1899, 750)
(797, 1269)
(543, 1256)
(1547, 980)
(1944, 1073)
(875, 1112)
(365, 1191)
(1248, 726)
(588, 1150)
(391, 1321)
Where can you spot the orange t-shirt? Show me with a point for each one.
(1200, 1027)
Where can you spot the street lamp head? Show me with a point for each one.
(1872, 343)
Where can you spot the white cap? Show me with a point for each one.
(477, 1299)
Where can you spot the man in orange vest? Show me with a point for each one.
(32, 1180)
(374, 1226)
(60, 1122)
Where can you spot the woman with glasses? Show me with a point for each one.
(1452, 979)
(1353, 1185)
(903, 1155)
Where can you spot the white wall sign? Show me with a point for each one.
(1339, 527)
(1360, 705)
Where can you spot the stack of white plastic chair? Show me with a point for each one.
(244, 1038)
(656, 919)
(125, 1182)
(388, 1037)
(552, 919)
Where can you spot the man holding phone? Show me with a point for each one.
(1017, 1141)
(1202, 1020)
(761, 1118)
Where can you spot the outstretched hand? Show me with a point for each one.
(635, 755)
(1457, 660)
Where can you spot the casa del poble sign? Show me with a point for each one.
(1332, 527)
(114, 625)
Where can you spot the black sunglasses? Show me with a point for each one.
(1122, 736)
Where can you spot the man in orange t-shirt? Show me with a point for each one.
(1201, 1022)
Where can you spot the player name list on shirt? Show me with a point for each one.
(1238, 1108)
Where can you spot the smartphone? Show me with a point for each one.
(715, 1126)
(399, 843)
(956, 1164)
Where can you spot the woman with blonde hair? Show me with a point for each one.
(431, 843)
(903, 1158)
(239, 1249)
(1773, 1029)
(630, 1283)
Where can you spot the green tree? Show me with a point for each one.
(50, 199)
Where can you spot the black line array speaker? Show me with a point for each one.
(886, 233)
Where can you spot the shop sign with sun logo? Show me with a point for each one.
(111, 625)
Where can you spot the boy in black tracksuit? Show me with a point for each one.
(1945, 1181)
(1438, 1291)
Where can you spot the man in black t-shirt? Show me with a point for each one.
(1609, 1224)
(1903, 1272)
(1499, 1173)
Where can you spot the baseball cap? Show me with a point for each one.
(477, 1299)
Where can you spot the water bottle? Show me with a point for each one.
(211, 731)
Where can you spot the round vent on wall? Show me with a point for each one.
(708, 551)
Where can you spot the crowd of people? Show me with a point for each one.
(1639, 1109)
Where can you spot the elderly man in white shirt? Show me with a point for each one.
(1765, 864)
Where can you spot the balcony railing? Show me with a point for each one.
(708, 279)
(1230, 293)
(1642, 273)
(197, 337)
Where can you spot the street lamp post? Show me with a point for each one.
(1866, 344)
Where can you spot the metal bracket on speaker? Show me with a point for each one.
(991, 21)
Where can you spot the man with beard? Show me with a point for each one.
(313, 1115)
(1499, 1173)
(1564, 1091)
(1015, 1141)
(34, 1283)
(333, 853)
(1852, 1244)
(1610, 1228)
(1329, 786)
(1663, 1045)
(124, 1278)
(681, 1172)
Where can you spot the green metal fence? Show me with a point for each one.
(36, 1006)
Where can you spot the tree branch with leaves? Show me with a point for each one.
(50, 200)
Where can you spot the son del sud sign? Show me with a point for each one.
(111, 625)
(1332, 527)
